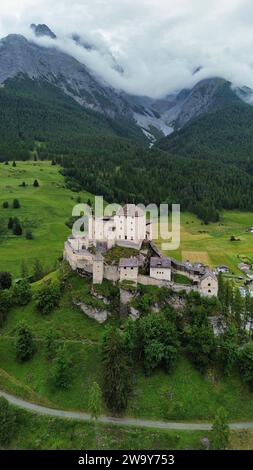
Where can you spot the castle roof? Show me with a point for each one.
(128, 263)
(130, 210)
(163, 262)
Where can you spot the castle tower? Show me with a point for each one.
(98, 269)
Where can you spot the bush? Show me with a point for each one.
(5, 304)
(5, 280)
(35, 184)
(246, 363)
(16, 204)
(17, 229)
(29, 235)
(48, 297)
(22, 293)
(10, 223)
(5, 204)
(8, 427)
(24, 345)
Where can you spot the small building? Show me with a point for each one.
(160, 268)
(128, 269)
(222, 269)
(208, 284)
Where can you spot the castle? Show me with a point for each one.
(128, 228)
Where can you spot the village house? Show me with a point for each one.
(128, 270)
(160, 268)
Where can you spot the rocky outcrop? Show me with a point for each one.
(93, 312)
(126, 298)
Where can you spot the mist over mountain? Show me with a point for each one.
(19, 55)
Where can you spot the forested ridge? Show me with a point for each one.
(199, 167)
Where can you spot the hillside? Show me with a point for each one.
(35, 110)
(224, 135)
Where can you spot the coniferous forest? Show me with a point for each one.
(112, 158)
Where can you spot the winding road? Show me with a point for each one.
(183, 426)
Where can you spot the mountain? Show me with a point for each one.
(223, 135)
(155, 118)
(18, 55)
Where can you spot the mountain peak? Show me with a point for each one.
(41, 30)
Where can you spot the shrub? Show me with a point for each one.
(51, 343)
(29, 235)
(5, 204)
(8, 422)
(246, 363)
(16, 204)
(5, 280)
(24, 345)
(48, 297)
(17, 228)
(35, 184)
(22, 293)
(5, 304)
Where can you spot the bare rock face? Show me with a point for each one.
(96, 314)
(125, 300)
(18, 56)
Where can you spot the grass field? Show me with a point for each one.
(159, 396)
(46, 433)
(44, 210)
(211, 245)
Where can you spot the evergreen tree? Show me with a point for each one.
(38, 270)
(95, 401)
(5, 280)
(246, 363)
(116, 371)
(61, 369)
(10, 223)
(16, 204)
(24, 269)
(5, 205)
(35, 184)
(17, 228)
(220, 431)
(25, 344)
(51, 343)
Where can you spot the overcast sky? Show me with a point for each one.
(159, 43)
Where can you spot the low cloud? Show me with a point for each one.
(158, 44)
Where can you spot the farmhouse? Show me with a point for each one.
(128, 229)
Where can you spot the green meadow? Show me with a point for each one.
(43, 210)
(211, 244)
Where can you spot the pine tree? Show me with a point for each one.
(16, 204)
(220, 430)
(116, 371)
(95, 401)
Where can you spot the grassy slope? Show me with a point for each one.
(46, 433)
(150, 395)
(44, 210)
